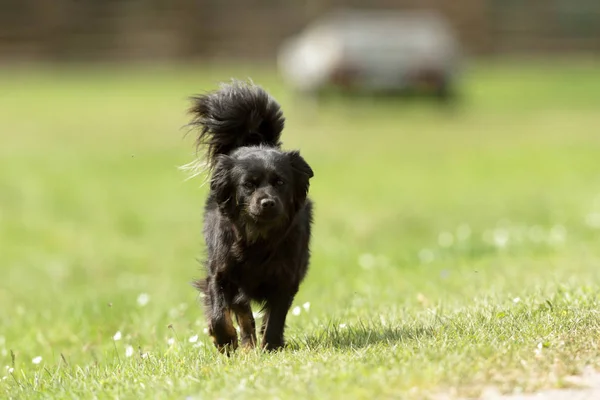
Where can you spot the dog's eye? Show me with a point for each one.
(279, 182)
(249, 185)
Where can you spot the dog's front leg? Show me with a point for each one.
(265, 321)
(277, 310)
(220, 324)
(245, 320)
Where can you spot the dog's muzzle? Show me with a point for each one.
(267, 209)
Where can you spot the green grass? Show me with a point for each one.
(453, 249)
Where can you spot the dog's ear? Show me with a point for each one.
(302, 174)
(221, 184)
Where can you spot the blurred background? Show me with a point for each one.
(376, 46)
(182, 30)
(493, 197)
(117, 74)
(93, 97)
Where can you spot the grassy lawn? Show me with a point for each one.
(453, 249)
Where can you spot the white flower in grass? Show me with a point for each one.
(426, 256)
(367, 261)
(538, 350)
(558, 235)
(143, 299)
(193, 339)
(171, 341)
(199, 344)
(128, 351)
(422, 299)
(145, 355)
(593, 220)
(117, 336)
(37, 360)
(296, 311)
(445, 239)
(463, 232)
(306, 306)
(10, 369)
(205, 330)
(501, 238)
(176, 312)
(517, 300)
(343, 326)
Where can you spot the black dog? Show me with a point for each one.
(257, 219)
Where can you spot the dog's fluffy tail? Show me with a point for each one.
(238, 114)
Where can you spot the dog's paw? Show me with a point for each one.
(227, 349)
(273, 346)
(225, 346)
(248, 343)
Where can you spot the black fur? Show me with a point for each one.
(257, 219)
(237, 115)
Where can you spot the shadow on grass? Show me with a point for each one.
(359, 336)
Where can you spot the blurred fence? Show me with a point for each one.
(253, 29)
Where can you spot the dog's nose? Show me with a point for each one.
(267, 203)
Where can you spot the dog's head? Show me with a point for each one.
(261, 188)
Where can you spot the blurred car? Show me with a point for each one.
(373, 51)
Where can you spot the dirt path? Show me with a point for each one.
(588, 389)
(585, 387)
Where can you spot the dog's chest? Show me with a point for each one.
(259, 267)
